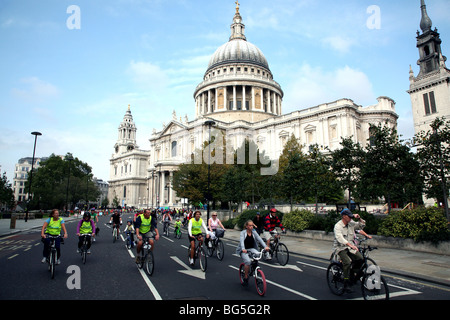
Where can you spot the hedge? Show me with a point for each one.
(420, 224)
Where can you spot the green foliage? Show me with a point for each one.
(249, 215)
(324, 222)
(6, 192)
(421, 224)
(298, 220)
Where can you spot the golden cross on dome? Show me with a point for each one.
(237, 6)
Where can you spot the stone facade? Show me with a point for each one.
(239, 94)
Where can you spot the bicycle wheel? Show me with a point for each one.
(179, 234)
(83, 254)
(114, 235)
(335, 278)
(374, 288)
(149, 263)
(282, 254)
(52, 263)
(210, 249)
(241, 273)
(220, 250)
(260, 281)
(202, 259)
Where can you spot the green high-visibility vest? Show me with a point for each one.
(196, 226)
(54, 227)
(86, 227)
(145, 224)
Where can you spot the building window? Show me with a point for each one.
(174, 149)
(430, 103)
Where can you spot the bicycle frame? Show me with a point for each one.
(84, 246)
(51, 259)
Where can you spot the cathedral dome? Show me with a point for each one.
(238, 51)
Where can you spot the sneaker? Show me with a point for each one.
(89, 251)
(78, 250)
(245, 282)
(44, 259)
(191, 261)
(58, 261)
(138, 259)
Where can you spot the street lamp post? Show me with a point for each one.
(35, 134)
(209, 123)
(69, 158)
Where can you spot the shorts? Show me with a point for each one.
(194, 237)
(267, 235)
(149, 235)
(246, 258)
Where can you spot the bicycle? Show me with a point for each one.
(278, 249)
(129, 242)
(83, 249)
(373, 284)
(255, 271)
(146, 258)
(51, 258)
(177, 232)
(217, 245)
(115, 232)
(199, 253)
(166, 228)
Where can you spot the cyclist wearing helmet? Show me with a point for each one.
(85, 226)
(271, 221)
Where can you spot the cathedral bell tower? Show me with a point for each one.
(126, 140)
(430, 90)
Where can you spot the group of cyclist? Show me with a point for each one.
(144, 225)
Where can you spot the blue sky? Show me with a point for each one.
(74, 85)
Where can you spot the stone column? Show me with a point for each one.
(234, 98)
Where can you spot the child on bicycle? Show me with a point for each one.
(129, 229)
(177, 225)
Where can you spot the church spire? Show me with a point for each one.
(425, 22)
(237, 28)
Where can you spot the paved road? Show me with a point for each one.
(110, 273)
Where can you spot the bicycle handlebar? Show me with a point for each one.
(256, 256)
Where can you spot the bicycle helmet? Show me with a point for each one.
(273, 210)
(87, 215)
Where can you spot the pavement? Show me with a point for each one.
(419, 266)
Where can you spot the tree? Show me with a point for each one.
(433, 154)
(345, 163)
(323, 186)
(291, 176)
(389, 169)
(58, 178)
(6, 192)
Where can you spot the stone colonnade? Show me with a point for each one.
(238, 97)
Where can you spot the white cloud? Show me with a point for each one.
(313, 86)
(339, 43)
(35, 90)
(148, 76)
